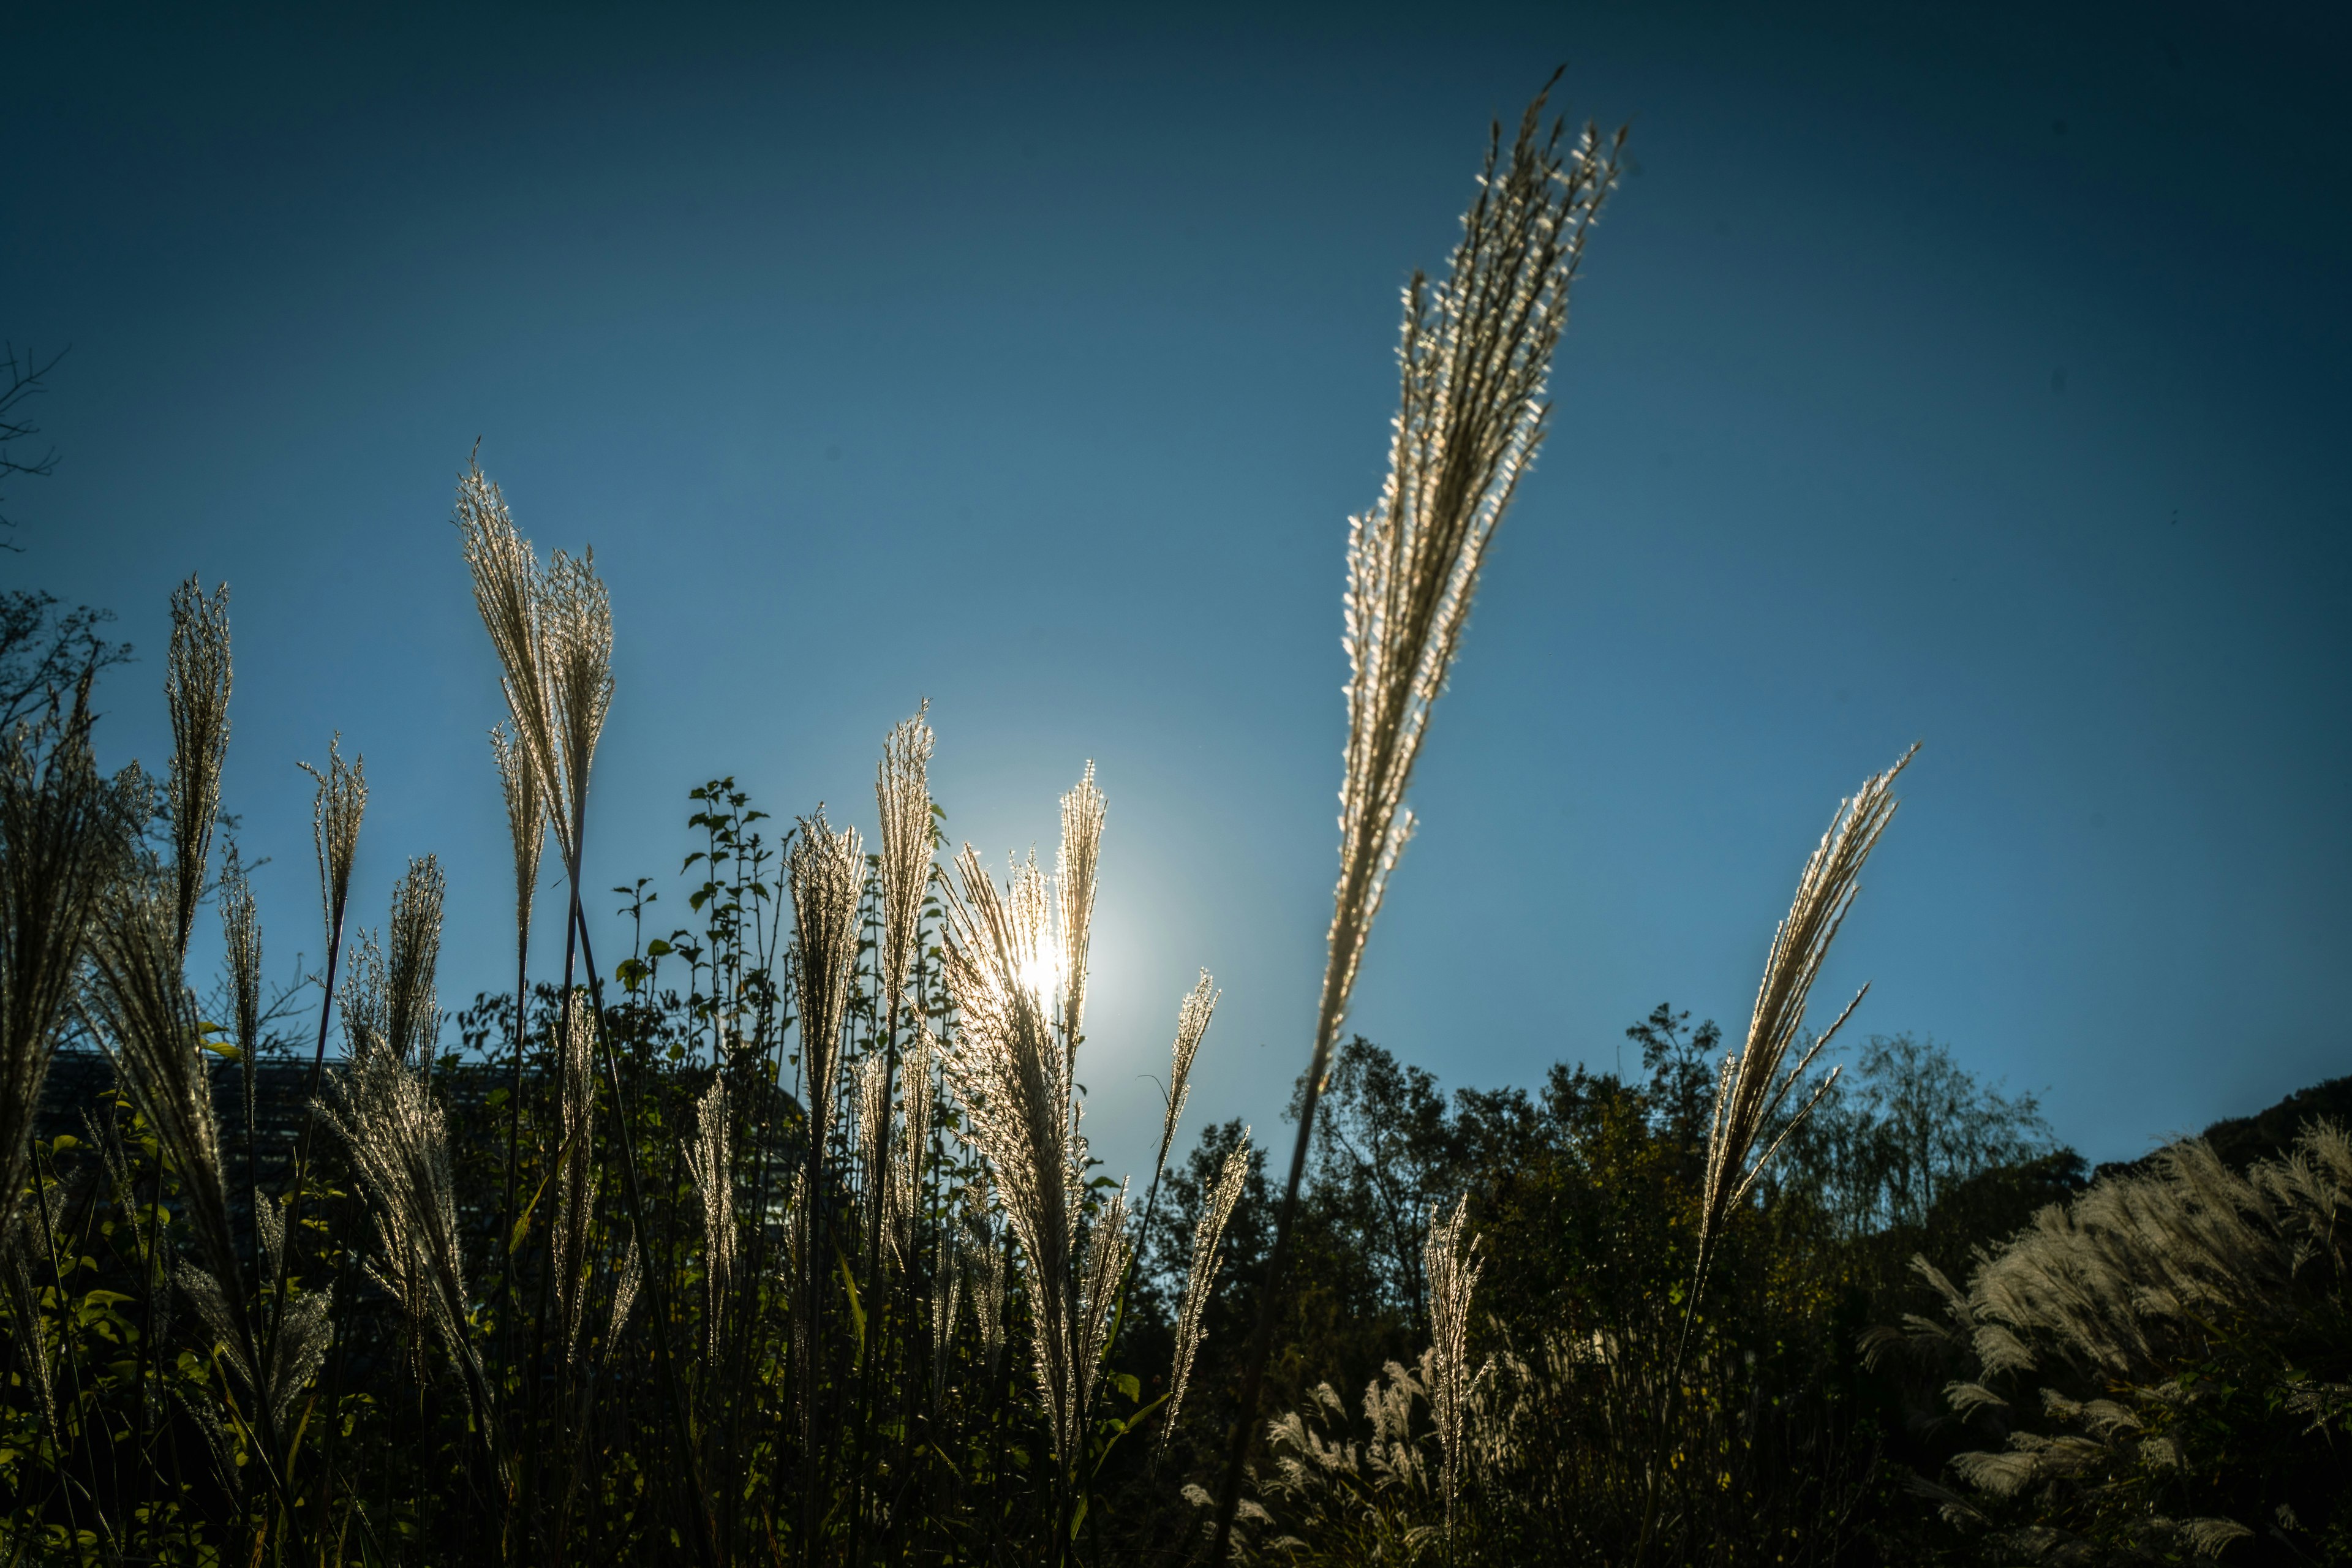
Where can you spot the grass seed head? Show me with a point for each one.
(65, 837)
(526, 821)
(196, 687)
(1192, 1017)
(412, 1008)
(1751, 1088)
(1201, 1278)
(902, 797)
(335, 815)
(826, 872)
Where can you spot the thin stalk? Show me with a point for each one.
(514, 1142)
(705, 1534)
(1672, 1414)
(310, 1129)
(875, 1318)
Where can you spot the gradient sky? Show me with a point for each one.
(1973, 376)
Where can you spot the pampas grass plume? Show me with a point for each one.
(196, 688)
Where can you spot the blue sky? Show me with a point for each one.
(1972, 376)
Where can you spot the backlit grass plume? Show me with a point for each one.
(914, 1106)
(527, 837)
(2092, 1339)
(363, 999)
(412, 1008)
(1192, 1016)
(399, 1146)
(196, 688)
(710, 1164)
(902, 799)
(1201, 1278)
(144, 1014)
(336, 813)
(947, 1294)
(552, 632)
(826, 871)
(575, 1176)
(1076, 867)
(1454, 1266)
(987, 1260)
(1476, 351)
(578, 625)
(241, 945)
(1109, 1249)
(63, 839)
(1751, 1089)
(1001, 961)
(873, 1110)
(511, 597)
(526, 822)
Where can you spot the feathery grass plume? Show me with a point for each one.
(64, 836)
(1475, 350)
(1006, 961)
(509, 595)
(710, 1165)
(826, 871)
(902, 798)
(2115, 1304)
(399, 1143)
(1751, 1088)
(1192, 1023)
(1201, 1278)
(412, 1010)
(241, 939)
(195, 685)
(1474, 354)
(364, 1000)
(577, 617)
(527, 835)
(915, 1104)
(986, 1255)
(872, 1124)
(1453, 1269)
(575, 1185)
(526, 822)
(144, 1014)
(1013, 1079)
(335, 815)
(1109, 1249)
(1075, 869)
(947, 1291)
(625, 1293)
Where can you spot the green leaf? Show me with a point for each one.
(856, 1309)
(522, 1220)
